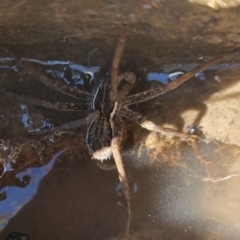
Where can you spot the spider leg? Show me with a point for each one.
(63, 106)
(119, 163)
(73, 92)
(69, 125)
(130, 79)
(117, 126)
(115, 64)
(151, 126)
(150, 94)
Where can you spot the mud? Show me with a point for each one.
(178, 190)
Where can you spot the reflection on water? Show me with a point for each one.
(171, 72)
(197, 192)
(202, 194)
(76, 69)
(17, 197)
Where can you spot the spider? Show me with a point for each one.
(108, 104)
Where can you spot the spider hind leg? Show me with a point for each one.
(151, 126)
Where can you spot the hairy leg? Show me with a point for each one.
(151, 126)
(115, 64)
(63, 106)
(73, 92)
(70, 125)
(117, 126)
(150, 94)
(124, 90)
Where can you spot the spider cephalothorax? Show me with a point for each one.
(101, 129)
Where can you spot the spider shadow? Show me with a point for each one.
(189, 97)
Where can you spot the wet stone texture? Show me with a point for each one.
(178, 190)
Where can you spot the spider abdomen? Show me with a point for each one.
(99, 138)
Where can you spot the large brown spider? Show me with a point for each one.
(108, 105)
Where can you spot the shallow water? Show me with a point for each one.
(175, 192)
(53, 190)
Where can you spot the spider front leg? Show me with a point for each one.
(153, 93)
(119, 163)
(115, 64)
(117, 128)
